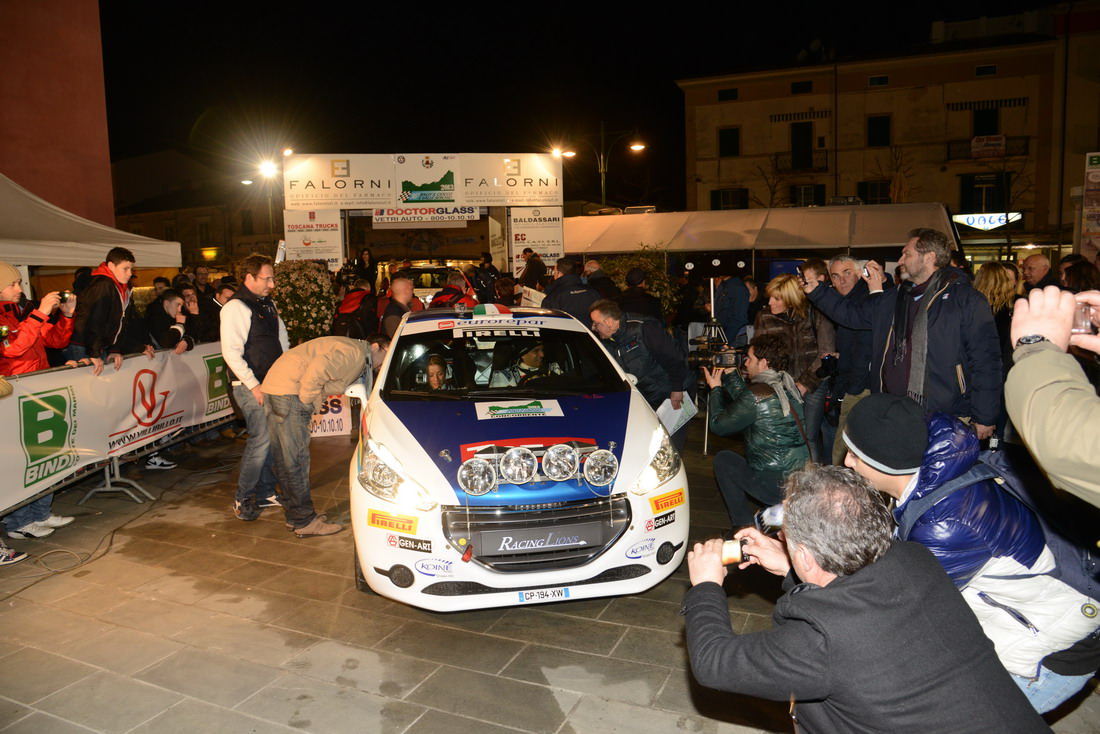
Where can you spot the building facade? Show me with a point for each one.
(997, 132)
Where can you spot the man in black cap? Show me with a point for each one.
(568, 293)
(637, 298)
(991, 545)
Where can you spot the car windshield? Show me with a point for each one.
(472, 362)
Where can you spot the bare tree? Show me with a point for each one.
(773, 182)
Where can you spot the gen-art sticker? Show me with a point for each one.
(656, 523)
(518, 409)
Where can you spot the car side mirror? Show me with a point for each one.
(632, 379)
(358, 391)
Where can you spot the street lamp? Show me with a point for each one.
(635, 146)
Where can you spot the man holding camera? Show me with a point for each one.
(768, 410)
(871, 634)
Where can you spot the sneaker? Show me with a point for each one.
(8, 556)
(56, 521)
(272, 500)
(318, 526)
(156, 461)
(246, 509)
(31, 530)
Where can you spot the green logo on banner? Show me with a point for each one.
(47, 428)
(1094, 160)
(217, 384)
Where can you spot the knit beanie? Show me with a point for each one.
(888, 433)
(8, 275)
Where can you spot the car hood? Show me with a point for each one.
(450, 432)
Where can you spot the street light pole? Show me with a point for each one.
(602, 154)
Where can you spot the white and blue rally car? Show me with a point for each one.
(504, 459)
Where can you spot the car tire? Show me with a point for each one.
(360, 579)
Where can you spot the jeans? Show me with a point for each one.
(737, 483)
(814, 409)
(36, 511)
(257, 479)
(288, 428)
(1049, 689)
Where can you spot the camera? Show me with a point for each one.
(715, 354)
(64, 296)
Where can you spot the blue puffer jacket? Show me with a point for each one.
(968, 527)
(995, 551)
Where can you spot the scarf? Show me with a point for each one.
(917, 343)
(782, 384)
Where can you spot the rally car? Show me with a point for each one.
(505, 459)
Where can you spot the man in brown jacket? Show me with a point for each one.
(294, 387)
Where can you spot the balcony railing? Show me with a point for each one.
(790, 162)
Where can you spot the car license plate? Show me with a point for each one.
(558, 594)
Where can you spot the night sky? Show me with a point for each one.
(233, 82)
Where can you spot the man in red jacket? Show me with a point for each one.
(22, 350)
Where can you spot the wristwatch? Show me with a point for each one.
(1030, 339)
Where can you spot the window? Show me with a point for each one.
(878, 131)
(808, 195)
(729, 199)
(727, 95)
(204, 233)
(729, 142)
(802, 145)
(984, 192)
(802, 87)
(881, 80)
(246, 222)
(874, 192)
(985, 70)
(987, 122)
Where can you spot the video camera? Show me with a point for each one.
(715, 353)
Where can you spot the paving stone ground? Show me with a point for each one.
(173, 616)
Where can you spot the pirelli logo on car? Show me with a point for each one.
(666, 501)
(395, 523)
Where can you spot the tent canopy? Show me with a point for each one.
(796, 228)
(35, 232)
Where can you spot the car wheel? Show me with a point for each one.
(360, 579)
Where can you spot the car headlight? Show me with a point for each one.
(664, 465)
(560, 462)
(476, 477)
(382, 475)
(518, 465)
(600, 467)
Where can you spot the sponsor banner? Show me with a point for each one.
(396, 523)
(59, 421)
(518, 409)
(666, 501)
(539, 228)
(333, 418)
(427, 178)
(389, 215)
(1090, 207)
(315, 234)
(338, 181)
(656, 523)
(522, 179)
(380, 181)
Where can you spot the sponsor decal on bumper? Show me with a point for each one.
(386, 521)
(666, 501)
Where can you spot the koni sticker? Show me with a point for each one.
(666, 501)
(395, 523)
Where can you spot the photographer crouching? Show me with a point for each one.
(871, 634)
(768, 411)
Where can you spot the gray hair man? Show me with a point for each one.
(856, 604)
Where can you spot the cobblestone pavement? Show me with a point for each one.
(172, 616)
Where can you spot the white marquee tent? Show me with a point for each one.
(829, 227)
(35, 232)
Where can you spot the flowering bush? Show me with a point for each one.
(303, 293)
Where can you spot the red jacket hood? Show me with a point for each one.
(104, 270)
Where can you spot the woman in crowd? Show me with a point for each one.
(808, 335)
(1082, 276)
